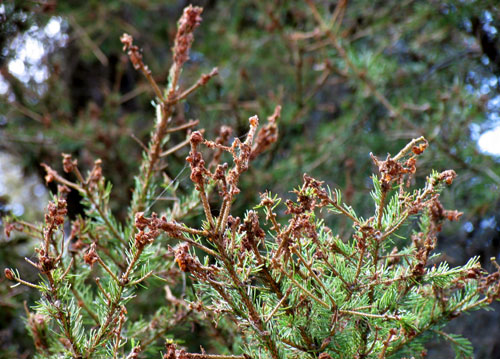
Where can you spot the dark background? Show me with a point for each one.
(401, 69)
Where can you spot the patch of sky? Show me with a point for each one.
(30, 50)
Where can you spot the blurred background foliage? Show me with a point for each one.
(351, 76)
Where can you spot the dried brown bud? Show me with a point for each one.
(182, 257)
(316, 186)
(253, 232)
(9, 274)
(133, 51)
(141, 222)
(186, 262)
(127, 41)
(420, 148)
(266, 200)
(96, 174)
(51, 174)
(91, 256)
(38, 327)
(47, 263)
(68, 163)
(135, 57)
(474, 273)
(447, 176)
(9, 227)
(233, 222)
(189, 20)
(63, 190)
(453, 216)
(195, 160)
(220, 172)
(152, 225)
(206, 77)
(411, 165)
(196, 138)
(170, 354)
(254, 121)
(56, 212)
(134, 354)
(267, 135)
(325, 355)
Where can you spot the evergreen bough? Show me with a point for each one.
(279, 283)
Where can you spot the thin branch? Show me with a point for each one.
(82, 303)
(29, 284)
(327, 291)
(408, 147)
(201, 82)
(101, 262)
(195, 244)
(89, 42)
(270, 316)
(214, 356)
(304, 289)
(206, 205)
(143, 146)
(175, 148)
(361, 75)
(68, 268)
(144, 277)
(369, 315)
(97, 205)
(185, 126)
(98, 281)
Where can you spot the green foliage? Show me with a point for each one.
(327, 276)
